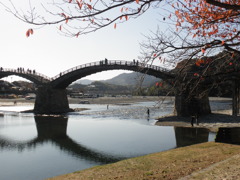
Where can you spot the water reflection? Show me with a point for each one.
(60, 145)
(228, 135)
(54, 130)
(186, 136)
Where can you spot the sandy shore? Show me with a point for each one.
(15, 102)
(217, 119)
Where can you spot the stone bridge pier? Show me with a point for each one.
(51, 101)
(187, 105)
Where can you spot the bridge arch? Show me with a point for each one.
(64, 79)
(32, 76)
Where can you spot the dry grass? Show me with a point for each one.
(228, 169)
(172, 164)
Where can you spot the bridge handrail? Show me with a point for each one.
(35, 74)
(111, 62)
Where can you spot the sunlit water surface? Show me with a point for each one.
(38, 147)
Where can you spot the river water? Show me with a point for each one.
(38, 147)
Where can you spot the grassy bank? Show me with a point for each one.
(172, 164)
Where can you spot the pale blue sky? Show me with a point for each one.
(50, 53)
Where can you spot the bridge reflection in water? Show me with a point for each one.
(229, 135)
(54, 129)
(186, 136)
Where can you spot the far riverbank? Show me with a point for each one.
(108, 100)
(100, 100)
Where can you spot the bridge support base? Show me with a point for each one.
(187, 106)
(236, 98)
(51, 101)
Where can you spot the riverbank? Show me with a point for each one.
(202, 161)
(220, 118)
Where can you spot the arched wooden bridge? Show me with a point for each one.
(65, 78)
(51, 95)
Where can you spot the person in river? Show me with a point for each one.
(148, 114)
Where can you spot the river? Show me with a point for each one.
(38, 147)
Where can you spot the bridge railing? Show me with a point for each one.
(111, 62)
(33, 73)
(43, 77)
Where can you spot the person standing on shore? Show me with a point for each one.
(193, 118)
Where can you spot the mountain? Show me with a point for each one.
(83, 81)
(132, 79)
(99, 87)
(125, 79)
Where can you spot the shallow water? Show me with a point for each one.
(38, 147)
